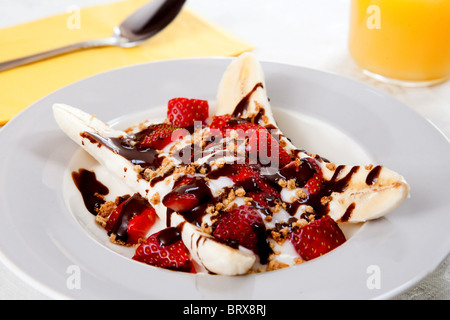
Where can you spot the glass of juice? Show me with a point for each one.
(401, 41)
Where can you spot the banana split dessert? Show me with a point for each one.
(232, 194)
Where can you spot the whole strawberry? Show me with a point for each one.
(165, 249)
(317, 238)
(183, 112)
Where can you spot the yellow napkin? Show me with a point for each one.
(187, 36)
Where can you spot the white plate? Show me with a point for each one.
(44, 240)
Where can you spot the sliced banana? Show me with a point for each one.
(214, 256)
(370, 192)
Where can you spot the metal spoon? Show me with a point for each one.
(138, 27)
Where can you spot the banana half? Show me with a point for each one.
(361, 192)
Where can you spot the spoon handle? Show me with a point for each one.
(56, 52)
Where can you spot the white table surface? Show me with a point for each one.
(300, 32)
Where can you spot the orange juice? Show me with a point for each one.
(407, 40)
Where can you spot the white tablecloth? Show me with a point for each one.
(300, 32)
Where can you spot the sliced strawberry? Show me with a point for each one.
(157, 136)
(165, 249)
(243, 173)
(139, 225)
(314, 184)
(317, 238)
(113, 217)
(245, 129)
(187, 194)
(131, 219)
(241, 226)
(183, 181)
(220, 123)
(180, 202)
(183, 112)
(263, 146)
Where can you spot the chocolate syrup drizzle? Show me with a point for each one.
(145, 157)
(242, 106)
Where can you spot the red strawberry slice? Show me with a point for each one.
(131, 219)
(157, 136)
(245, 129)
(314, 184)
(241, 226)
(183, 112)
(243, 172)
(220, 123)
(180, 202)
(317, 238)
(187, 194)
(139, 225)
(263, 146)
(165, 249)
(183, 181)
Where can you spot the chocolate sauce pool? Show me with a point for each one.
(90, 188)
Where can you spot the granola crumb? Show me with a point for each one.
(301, 194)
(240, 192)
(369, 167)
(275, 265)
(149, 174)
(206, 228)
(106, 209)
(282, 183)
(331, 166)
(101, 220)
(325, 200)
(309, 209)
(155, 198)
(291, 184)
(231, 206)
(300, 223)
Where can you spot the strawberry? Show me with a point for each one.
(187, 193)
(131, 219)
(183, 181)
(317, 238)
(157, 136)
(165, 249)
(249, 178)
(243, 173)
(245, 129)
(182, 112)
(241, 226)
(262, 144)
(139, 225)
(220, 123)
(180, 202)
(314, 184)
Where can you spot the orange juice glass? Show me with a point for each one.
(402, 41)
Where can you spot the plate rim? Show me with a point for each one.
(54, 293)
